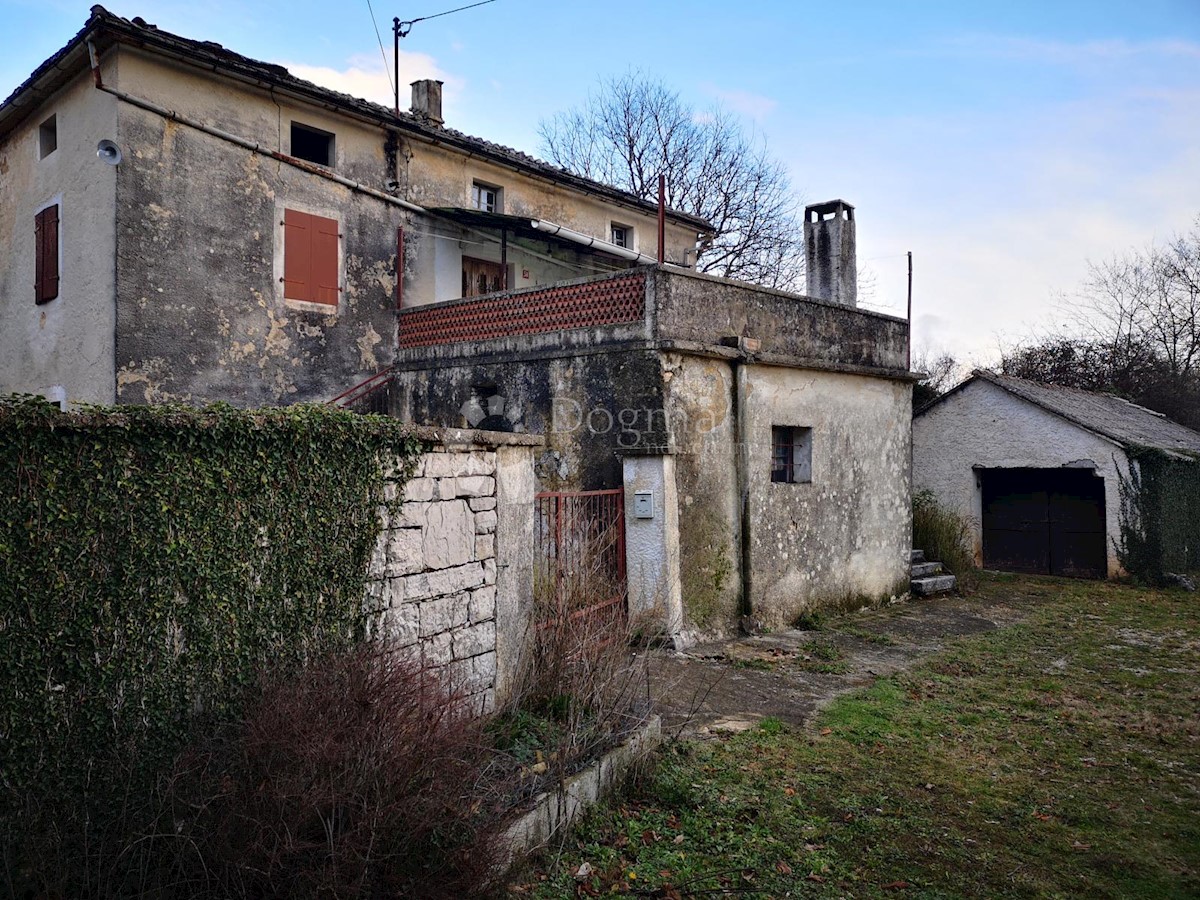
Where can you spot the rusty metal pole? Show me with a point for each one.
(662, 219)
(908, 353)
(396, 61)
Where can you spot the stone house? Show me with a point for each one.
(1037, 471)
(179, 222)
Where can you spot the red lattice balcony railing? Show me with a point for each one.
(612, 301)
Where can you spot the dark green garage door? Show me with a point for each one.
(1044, 521)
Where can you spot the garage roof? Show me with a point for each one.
(1128, 424)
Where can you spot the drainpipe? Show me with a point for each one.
(741, 467)
(253, 147)
(589, 241)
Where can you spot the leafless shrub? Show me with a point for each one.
(359, 776)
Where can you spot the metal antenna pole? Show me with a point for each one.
(396, 61)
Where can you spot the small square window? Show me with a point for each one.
(47, 137)
(622, 236)
(312, 145)
(485, 197)
(791, 454)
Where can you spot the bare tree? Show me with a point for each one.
(1147, 299)
(632, 128)
(1136, 331)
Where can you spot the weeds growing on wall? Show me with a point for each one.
(945, 537)
(153, 561)
(1159, 516)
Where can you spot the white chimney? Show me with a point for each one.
(832, 271)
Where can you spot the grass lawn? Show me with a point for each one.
(1057, 757)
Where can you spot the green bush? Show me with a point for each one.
(153, 561)
(945, 537)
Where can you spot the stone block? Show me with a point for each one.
(454, 581)
(411, 515)
(448, 538)
(446, 488)
(415, 587)
(437, 650)
(405, 553)
(419, 489)
(444, 613)
(480, 462)
(445, 465)
(475, 486)
(401, 625)
(489, 571)
(482, 504)
(474, 640)
(485, 546)
(483, 604)
(485, 522)
(485, 668)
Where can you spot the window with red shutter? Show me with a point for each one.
(46, 273)
(310, 258)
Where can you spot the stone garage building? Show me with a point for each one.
(1036, 469)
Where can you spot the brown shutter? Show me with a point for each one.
(297, 256)
(45, 230)
(325, 260)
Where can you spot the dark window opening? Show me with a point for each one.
(312, 144)
(485, 197)
(791, 454)
(47, 137)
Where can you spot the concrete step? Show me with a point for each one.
(921, 569)
(933, 584)
(917, 556)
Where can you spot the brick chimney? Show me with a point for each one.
(832, 272)
(427, 101)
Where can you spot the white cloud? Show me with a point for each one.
(746, 103)
(1068, 53)
(366, 77)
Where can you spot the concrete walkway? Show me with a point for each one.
(731, 685)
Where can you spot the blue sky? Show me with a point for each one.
(1004, 143)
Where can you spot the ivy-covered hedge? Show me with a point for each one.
(153, 560)
(1160, 515)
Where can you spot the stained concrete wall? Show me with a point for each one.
(452, 571)
(699, 406)
(200, 251)
(843, 539)
(652, 558)
(591, 407)
(62, 349)
(695, 309)
(985, 426)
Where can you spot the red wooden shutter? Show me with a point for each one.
(45, 230)
(325, 259)
(297, 256)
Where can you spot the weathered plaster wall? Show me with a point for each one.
(652, 558)
(590, 407)
(699, 309)
(842, 540)
(428, 175)
(435, 176)
(699, 398)
(983, 425)
(436, 572)
(62, 349)
(201, 314)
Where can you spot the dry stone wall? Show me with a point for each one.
(434, 571)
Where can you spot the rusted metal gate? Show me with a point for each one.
(580, 560)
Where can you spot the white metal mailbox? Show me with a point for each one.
(643, 504)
